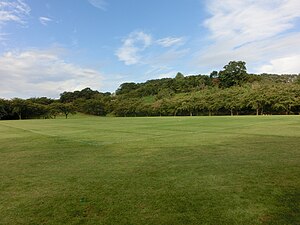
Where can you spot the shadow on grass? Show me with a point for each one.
(287, 209)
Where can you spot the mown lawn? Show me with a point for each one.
(169, 170)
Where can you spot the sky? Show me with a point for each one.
(51, 46)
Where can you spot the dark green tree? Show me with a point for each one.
(126, 88)
(94, 107)
(234, 73)
(66, 108)
(54, 109)
(214, 74)
(179, 76)
(19, 107)
(4, 108)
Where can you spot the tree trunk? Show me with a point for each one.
(257, 111)
(209, 113)
(175, 112)
(231, 112)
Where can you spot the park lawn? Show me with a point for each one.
(160, 170)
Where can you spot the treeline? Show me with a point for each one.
(231, 91)
(85, 101)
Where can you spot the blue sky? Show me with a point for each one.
(51, 46)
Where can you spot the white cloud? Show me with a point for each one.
(170, 41)
(42, 73)
(100, 4)
(285, 65)
(251, 20)
(169, 74)
(252, 30)
(13, 11)
(135, 43)
(44, 20)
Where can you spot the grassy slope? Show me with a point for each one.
(183, 170)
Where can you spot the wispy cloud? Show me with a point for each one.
(13, 11)
(135, 43)
(169, 74)
(45, 20)
(42, 73)
(100, 4)
(251, 20)
(170, 41)
(251, 30)
(170, 56)
(157, 57)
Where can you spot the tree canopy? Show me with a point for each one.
(230, 91)
(234, 73)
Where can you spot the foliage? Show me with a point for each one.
(234, 73)
(230, 91)
(66, 108)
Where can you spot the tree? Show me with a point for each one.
(285, 98)
(258, 97)
(144, 109)
(126, 106)
(234, 73)
(213, 101)
(94, 107)
(19, 107)
(88, 93)
(65, 108)
(179, 76)
(126, 88)
(66, 97)
(4, 108)
(233, 99)
(35, 110)
(157, 108)
(53, 110)
(214, 74)
(41, 100)
(164, 93)
(187, 106)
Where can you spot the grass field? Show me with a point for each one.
(174, 170)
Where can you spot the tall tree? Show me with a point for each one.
(19, 107)
(4, 108)
(234, 73)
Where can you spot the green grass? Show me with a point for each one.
(174, 170)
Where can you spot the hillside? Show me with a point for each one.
(226, 92)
